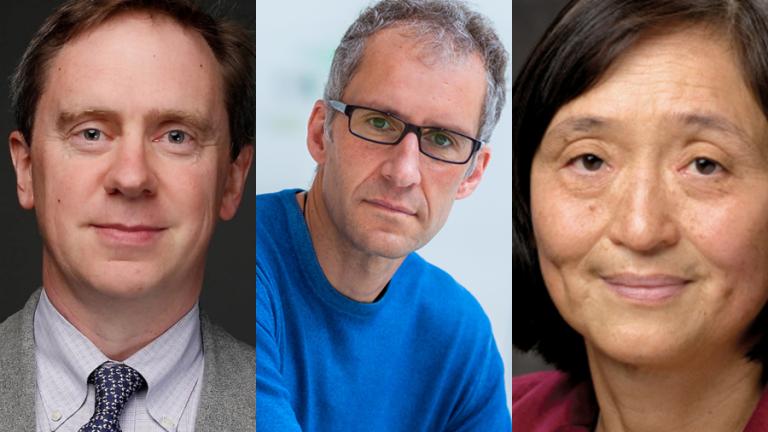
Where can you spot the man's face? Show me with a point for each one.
(387, 200)
(129, 165)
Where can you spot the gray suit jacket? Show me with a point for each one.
(227, 401)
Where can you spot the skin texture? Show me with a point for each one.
(125, 213)
(370, 205)
(658, 176)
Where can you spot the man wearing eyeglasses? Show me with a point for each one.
(355, 331)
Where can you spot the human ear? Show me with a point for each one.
(316, 132)
(21, 155)
(233, 190)
(472, 180)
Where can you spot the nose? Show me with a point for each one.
(130, 172)
(401, 168)
(644, 216)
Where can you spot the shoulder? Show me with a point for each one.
(11, 331)
(452, 324)
(439, 295)
(17, 334)
(273, 198)
(759, 420)
(230, 355)
(228, 400)
(277, 217)
(17, 366)
(271, 203)
(545, 401)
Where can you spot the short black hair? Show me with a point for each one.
(586, 38)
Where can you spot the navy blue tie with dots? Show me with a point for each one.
(115, 383)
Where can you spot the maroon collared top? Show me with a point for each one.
(550, 402)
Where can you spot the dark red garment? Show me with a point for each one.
(550, 402)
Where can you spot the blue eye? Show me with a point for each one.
(176, 136)
(91, 134)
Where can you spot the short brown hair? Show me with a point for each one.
(232, 45)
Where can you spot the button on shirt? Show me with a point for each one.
(172, 366)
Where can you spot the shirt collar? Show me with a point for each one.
(64, 359)
(172, 364)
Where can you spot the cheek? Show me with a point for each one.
(733, 237)
(197, 188)
(565, 228)
(61, 185)
(563, 240)
(441, 179)
(347, 166)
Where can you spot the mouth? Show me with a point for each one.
(650, 288)
(392, 207)
(128, 235)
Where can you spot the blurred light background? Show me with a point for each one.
(294, 48)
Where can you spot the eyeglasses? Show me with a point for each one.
(383, 128)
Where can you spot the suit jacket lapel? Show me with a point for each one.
(227, 401)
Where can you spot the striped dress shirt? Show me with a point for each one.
(172, 366)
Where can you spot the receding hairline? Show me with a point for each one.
(430, 58)
(429, 51)
(152, 15)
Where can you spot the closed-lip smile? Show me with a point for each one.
(646, 288)
(125, 234)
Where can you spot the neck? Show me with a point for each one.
(356, 275)
(714, 393)
(118, 326)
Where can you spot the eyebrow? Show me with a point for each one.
(66, 118)
(199, 122)
(713, 122)
(701, 120)
(401, 117)
(578, 124)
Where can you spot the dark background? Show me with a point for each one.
(229, 288)
(530, 18)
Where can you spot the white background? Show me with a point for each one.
(294, 48)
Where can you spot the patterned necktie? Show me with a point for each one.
(115, 383)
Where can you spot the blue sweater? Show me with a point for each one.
(421, 358)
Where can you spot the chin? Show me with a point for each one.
(126, 281)
(643, 347)
(389, 245)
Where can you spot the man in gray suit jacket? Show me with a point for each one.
(135, 124)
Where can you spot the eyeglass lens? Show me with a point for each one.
(383, 128)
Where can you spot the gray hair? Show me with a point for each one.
(449, 28)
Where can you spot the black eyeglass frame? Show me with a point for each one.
(409, 127)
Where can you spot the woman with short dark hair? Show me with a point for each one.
(640, 146)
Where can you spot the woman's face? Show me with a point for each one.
(649, 198)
